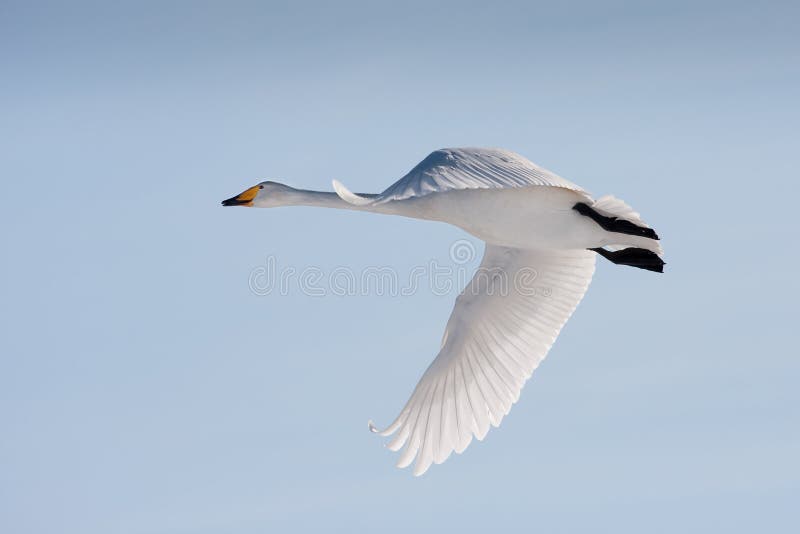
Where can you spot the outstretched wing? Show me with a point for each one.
(501, 328)
(463, 168)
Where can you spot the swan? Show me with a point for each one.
(541, 233)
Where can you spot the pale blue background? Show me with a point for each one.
(145, 389)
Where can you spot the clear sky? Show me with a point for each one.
(145, 388)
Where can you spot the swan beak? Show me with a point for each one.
(244, 198)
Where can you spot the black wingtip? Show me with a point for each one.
(614, 224)
(634, 257)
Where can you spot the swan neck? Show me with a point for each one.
(325, 199)
(319, 199)
(322, 199)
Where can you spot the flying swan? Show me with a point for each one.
(542, 234)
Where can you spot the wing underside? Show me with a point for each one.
(501, 328)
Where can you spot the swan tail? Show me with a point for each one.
(630, 240)
(350, 197)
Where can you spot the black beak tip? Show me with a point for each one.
(233, 201)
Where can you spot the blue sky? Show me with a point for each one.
(144, 388)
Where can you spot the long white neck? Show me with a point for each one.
(290, 196)
(320, 199)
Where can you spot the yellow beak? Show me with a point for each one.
(244, 198)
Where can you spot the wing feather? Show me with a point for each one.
(493, 342)
(451, 169)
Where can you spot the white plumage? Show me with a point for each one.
(452, 169)
(536, 268)
(495, 338)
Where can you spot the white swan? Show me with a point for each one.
(542, 233)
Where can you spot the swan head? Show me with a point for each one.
(263, 195)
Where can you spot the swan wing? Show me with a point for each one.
(452, 169)
(501, 328)
(472, 168)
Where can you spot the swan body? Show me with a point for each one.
(529, 218)
(542, 236)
